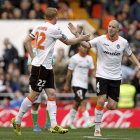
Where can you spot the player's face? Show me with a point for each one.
(113, 29)
(83, 50)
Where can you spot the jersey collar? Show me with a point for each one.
(48, 21)
(107, 36)
(81, 55)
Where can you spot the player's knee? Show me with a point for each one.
(52, 95)
(112, 107)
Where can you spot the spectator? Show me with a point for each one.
(136, 82)
(60, 73)
(53, 3)
(4, 15)
(24, 6)
(10, 54)
(131, 32)
(136, 40)
(17, 13)
(32, 14)
(65, 12)
(134, 12)
(13, 86)
(8, 7)
(16, 102)
(39, 13)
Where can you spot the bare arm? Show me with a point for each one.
(133, 59)
(29, 68)
(74, 32)
(66, 87)
(93, 72)
(28, 46)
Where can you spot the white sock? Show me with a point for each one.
(106, 105)
(86, 117)
(34, 112)
(51, 107)
(26, 104)
(98, 119)
(72, 115)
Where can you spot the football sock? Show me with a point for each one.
(72, 115)
(98, 116)
(48, 117)
(86, 116)
(34, 116)
(51, 107)
(106, 105)
(26, 104)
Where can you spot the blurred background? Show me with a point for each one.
(19, 17)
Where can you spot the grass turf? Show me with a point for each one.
(78, 134)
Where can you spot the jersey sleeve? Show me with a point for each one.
(93, 42)
(56, 33)
(33, 33)
(127, 49)
(91, 64)
(72, 64)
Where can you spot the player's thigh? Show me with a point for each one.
(33, 94)
(38, 78)
(50, 80)
(101, 90)
(114, 89)
(79, 93)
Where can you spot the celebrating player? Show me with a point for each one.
(35, 105)
(110, 48)
(79, 66)
(42, 76)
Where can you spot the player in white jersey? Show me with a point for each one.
(79, 66)
(35, 105)
(110, 50)
(42, 76)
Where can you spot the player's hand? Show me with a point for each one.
(66, 88)
(84, 37)
(72, 28)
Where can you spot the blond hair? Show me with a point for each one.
(51, 13)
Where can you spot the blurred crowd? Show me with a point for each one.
(13, 70)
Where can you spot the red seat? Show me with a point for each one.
(106, 20)
(96, 11)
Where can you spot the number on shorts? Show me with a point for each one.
(41, 83)
(79, 92)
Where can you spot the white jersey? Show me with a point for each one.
(109, 56)
(80, 66)
(46, 35)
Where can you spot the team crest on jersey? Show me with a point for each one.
(40, 88)
(118, 46)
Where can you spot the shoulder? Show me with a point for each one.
(74, 57)
(123, 40)
(89, 57)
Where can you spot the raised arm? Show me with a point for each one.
(73, 30)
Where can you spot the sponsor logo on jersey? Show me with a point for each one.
(106, 44)
(112, 53)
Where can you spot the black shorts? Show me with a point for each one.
(79, 93)
(41, 78)
(109, 87)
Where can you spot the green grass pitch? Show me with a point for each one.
(7, 133)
